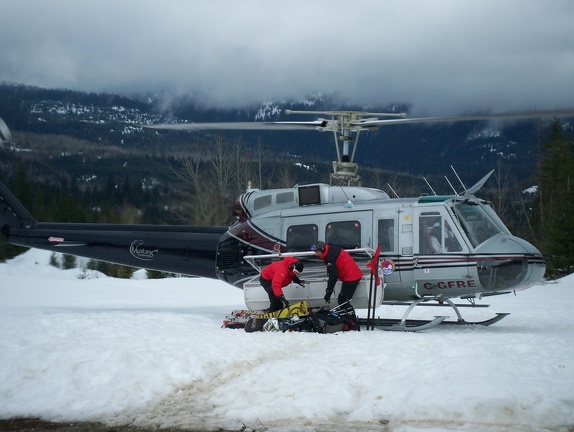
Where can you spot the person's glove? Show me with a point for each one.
(302, 283)
(328, 294)
(284, 302)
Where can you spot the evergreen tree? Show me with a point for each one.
(22, 187)
(69, 262)
(554, 206)
(54, 260)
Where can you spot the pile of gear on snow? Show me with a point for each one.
(297, 317)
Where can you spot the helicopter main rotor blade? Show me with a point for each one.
(375, 123)
(348, 113)
(318, 124)
(351, 121)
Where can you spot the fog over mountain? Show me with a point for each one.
(475, 147)
(440, 57)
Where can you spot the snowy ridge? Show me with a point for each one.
(152, 353)
(94, 114)
(487, 133)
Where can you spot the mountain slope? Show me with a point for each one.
(471, 147)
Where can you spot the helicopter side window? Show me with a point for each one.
(262, 202)
(285, 197)
(386, 235)
(345, 234)
(430, 233)
(436, 236)
(301, 237)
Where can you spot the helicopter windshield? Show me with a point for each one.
(479, 221)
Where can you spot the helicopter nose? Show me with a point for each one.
(509, 263)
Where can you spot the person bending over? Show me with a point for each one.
(277, 276)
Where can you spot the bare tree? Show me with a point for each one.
(213, 182)
(243, 172)
(503, 195)
(285, 176)
(220, 163)
(197, 206)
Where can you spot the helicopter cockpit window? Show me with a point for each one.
(477, 223)
(301, 237)
(345, 234)
(386, 235)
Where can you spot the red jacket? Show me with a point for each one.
(279, 274)
(340, 265)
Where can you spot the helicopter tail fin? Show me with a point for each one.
(476, 187)
(12, 213)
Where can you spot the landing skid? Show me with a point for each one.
(411, 325)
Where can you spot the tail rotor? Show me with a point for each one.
(5, 134)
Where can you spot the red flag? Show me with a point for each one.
(374, 265)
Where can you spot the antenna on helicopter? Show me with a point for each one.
(456, 174)
(430, 187)
(392, 190)
(451, 186)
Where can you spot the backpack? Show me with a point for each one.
(339, 318)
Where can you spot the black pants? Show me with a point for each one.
(275, 303)
(347, 291)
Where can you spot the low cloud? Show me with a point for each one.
(441, 57)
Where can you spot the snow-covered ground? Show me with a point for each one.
(153, 353)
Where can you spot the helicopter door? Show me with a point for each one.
(349, 230)
(440, 267)
(388, 238)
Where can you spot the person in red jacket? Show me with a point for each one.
(278, 275)
(340, 266)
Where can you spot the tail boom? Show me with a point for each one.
(12, 212)
(186, 250)
(189, 250)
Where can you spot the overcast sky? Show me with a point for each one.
(441, 56)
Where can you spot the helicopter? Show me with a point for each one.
(431, 248)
